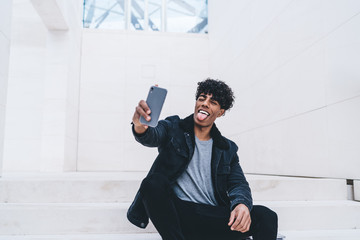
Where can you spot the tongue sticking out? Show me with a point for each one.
(201, 116)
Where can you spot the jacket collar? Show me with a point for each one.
(187, 124)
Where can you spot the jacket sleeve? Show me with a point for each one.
(154, 136)
(238, 188)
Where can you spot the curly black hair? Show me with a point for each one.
(220, 91)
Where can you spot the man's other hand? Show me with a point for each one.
(142, 109)
(240, 219)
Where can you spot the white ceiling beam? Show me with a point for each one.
(50, 13)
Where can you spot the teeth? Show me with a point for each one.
(201, 111)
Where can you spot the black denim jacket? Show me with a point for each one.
(175, 140)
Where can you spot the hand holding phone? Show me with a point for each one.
(155, 101)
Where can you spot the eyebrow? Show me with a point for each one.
(205, 96)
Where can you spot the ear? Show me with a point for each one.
(222, 111)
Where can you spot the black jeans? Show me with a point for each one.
(176, 219)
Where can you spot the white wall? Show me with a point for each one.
(294, 69)
(5, 27)
(292, 64)
(117, 70)
(61, 91)
(43, 93)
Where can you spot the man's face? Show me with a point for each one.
(206, 110)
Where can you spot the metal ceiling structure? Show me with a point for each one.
(149, 15)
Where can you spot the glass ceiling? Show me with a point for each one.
(187, 16)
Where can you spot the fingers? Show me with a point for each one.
(244, 225)
(237, 225)
(142, 109)
(240, 219)
(144, 106)
(232, 218)
(241, 223)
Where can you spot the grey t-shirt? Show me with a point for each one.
(195, 184)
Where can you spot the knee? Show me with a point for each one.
(154, 184)
(272, 217)
(267, 216)
(270, 222)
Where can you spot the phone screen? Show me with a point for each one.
(155, 100)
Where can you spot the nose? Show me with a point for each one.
(206, 103)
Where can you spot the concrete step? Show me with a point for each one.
(280, 188)
(122, 186)
(149, 236)
(357, 190)
(316, 215)
(137, 236)
(350, 234)
(353, 234)
(69, 187)
(66, 218)
(95, 218)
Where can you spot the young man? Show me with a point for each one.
(196, 189)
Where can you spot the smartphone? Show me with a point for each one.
(155, 100)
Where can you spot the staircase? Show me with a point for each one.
(93, 206)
